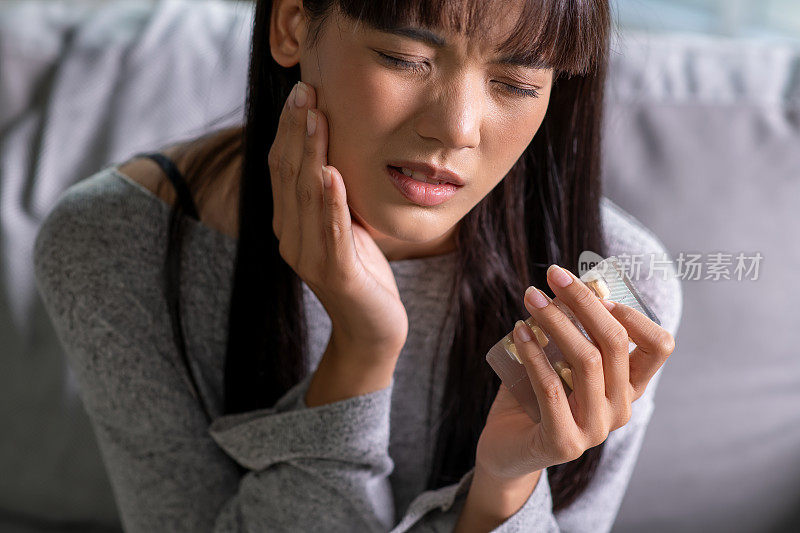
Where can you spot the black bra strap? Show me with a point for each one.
(174, 175)
(173, 271)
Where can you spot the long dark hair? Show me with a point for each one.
(545, 210)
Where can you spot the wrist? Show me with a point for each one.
(368, 352)
(373, 349)
(347, 372)
(492, 500)
(509, 486)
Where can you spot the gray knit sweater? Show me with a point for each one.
(359, 464)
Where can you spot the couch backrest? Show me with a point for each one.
(82, 86)
(701, 145)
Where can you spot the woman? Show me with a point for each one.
(336, 409)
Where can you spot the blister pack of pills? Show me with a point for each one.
(608, 281)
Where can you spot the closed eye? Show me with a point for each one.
(419, 67)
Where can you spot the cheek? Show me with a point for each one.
(526, 125)
(506, 140)
(512, 136)
(521, 126)
(365, 110)
(364, 101)
(359, 116)
(350, 112)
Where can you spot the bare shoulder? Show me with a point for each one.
(218, 209)
(147, 173)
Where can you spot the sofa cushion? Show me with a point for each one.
(82, 85)
(701, 142)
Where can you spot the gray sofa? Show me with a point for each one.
(702, 139)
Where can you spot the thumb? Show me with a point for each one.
(338, 230)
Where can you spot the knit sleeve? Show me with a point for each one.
(321, 468)
(325, 466)
(306, 468)
(594, 510)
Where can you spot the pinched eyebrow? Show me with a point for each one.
(437, 41)
(419, 34)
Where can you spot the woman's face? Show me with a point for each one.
(460, 111)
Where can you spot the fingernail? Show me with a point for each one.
(522, 331)
(559, 276)
(609, 304)
(326, 177)
(536, 297)
(300, 94)
(311, 122)
(541, 338)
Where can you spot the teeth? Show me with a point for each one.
(419, 177)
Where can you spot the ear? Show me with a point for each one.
(287, 31)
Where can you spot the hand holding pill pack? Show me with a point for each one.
(608, 281)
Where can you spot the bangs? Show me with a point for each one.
(569, 36)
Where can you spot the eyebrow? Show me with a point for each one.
(432, 39)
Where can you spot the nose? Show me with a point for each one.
(453, 114)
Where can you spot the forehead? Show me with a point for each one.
(491, 32)
(569, 36)
(479, 19)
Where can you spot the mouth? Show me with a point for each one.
(418, 176)
(416, 189)
(427, 173)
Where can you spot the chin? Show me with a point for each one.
(401, 227)
(382, 210)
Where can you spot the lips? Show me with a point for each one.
(419, 192)
(433, 173)
(418, 176)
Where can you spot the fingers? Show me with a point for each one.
(312, 220)
(308, 190)
(550, 394)
(581, 354)
(297, 160)
(278, 160)
(285, 158)
(654, 344)
(610, 336)
(339, 240)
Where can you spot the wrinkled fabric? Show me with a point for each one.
(359, 464)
